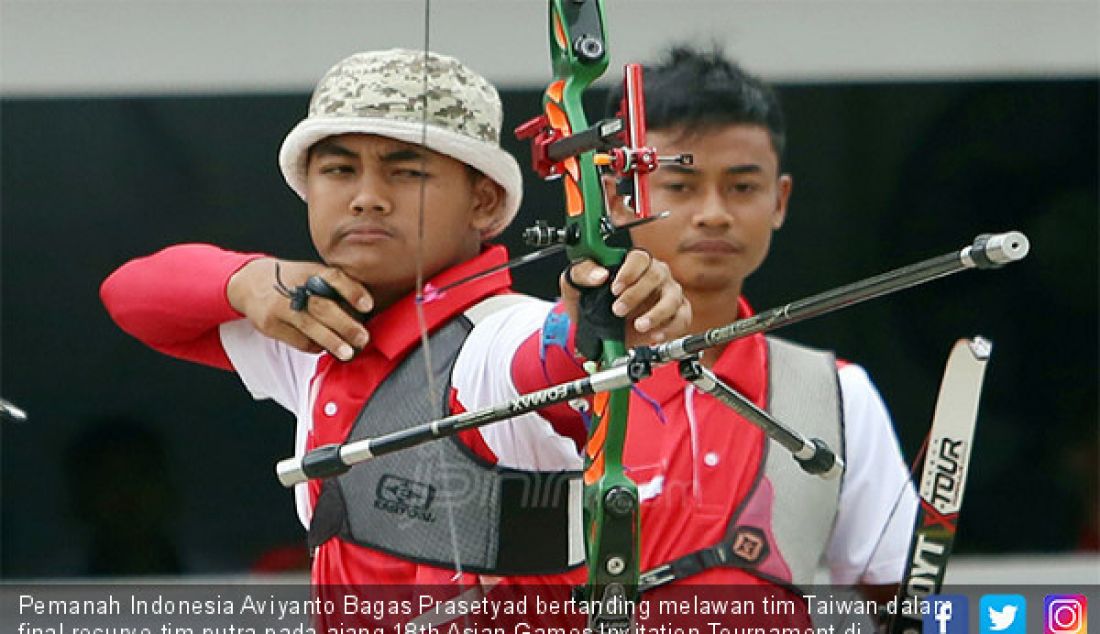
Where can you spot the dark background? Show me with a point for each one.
(176, 461)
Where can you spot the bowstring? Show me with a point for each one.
(435, 398)
(897, 503)
(883, 626)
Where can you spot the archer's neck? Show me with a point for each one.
(710, 310)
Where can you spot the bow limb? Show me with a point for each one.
(943, 480)
(946, 452)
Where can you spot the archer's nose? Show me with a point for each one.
(711, 211)
(371, 196)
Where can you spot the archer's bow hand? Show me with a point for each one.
(645, 293)
(306, 305)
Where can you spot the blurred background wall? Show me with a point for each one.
(127, 126)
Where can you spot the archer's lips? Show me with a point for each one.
(364, 235)
(711, 246)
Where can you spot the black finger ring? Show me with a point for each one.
(299, 295)
(316, 285)
(299, 299)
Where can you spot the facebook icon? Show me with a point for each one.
(946, 614)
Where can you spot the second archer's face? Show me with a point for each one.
(366, 194)
(724, 206)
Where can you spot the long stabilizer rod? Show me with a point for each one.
(989, 251)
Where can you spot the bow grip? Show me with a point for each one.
(595, 322)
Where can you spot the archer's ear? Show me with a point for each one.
(783, 196)
(616, 202)
(488, 203)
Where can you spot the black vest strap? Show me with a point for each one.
(720, 554)
(723, 554)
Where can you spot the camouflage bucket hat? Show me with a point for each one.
(382, 92)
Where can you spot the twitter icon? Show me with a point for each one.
(1002, 614)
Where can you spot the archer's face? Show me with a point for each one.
(365, 196)
(724, 207)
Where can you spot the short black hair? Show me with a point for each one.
(697, 90)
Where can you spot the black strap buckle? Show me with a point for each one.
(718, 555)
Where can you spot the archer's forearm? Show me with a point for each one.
(174, 300)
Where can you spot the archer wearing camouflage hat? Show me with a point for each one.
(383, 93)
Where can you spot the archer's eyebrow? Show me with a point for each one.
(682, 170)
(402, 155)
(331, 148)
(749, 168)
(687, 170)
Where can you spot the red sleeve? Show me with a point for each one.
(174, 300)
(539, 364)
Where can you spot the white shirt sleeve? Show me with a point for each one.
(482, 377)
(270, 369)
(870, 539)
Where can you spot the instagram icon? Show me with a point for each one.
(1065, 614)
